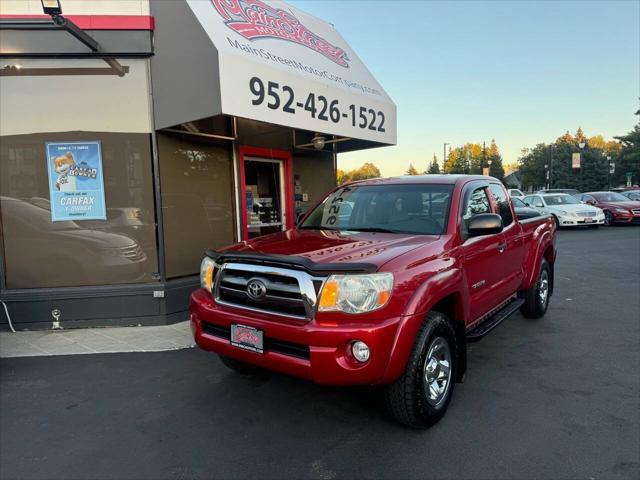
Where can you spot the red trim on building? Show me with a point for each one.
(286, 158)
(99, 22)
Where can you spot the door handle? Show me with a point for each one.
(502, 247)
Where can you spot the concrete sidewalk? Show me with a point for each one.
(96, 340)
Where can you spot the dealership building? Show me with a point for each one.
(134, 135)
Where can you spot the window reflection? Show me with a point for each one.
(42, 253)
(197, 200)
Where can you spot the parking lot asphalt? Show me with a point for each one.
(557, 397)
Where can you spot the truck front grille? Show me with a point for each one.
(280, 291)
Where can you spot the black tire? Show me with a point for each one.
(555, 219)
(608, 218)
(407, 399)
(534, 304)
(239, 367)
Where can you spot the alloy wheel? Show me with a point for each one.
(437, 371)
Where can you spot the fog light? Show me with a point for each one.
(361, 351)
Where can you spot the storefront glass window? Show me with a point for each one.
(196, 177)
(74, 107)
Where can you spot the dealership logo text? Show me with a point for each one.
(254, 19)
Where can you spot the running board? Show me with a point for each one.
(493, 321)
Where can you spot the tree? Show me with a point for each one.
(594, 166)
(434, 168)
(511, 167)
(368, 170)
(412, 170)
(628, 157)
(493, 155)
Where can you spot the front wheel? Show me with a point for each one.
(608, 218)
(421, 396)
(536, 298)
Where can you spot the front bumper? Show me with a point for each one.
(317, 352)
(575, 221)
(620, 217)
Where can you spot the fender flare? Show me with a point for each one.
(429, 293)
(535, 258)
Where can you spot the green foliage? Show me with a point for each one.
(412, 170)
(368, 170)
(593, 174)
(434, 168)
(471, 158)
(627, 159)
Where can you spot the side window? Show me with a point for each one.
(504, 209)
(477, 202)
(537, 201)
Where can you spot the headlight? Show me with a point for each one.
(356, 293)
(207, 268)
(561, 212)
(621, 210)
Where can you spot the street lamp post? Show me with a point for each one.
(608, 157)
(581, 145)
(444, 156)
(549, 167)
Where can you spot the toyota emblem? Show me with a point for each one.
(256, 289)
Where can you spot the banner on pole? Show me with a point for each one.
(575, 160)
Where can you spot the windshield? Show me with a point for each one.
(413, 209)
(560, 200)
(609, 197)
(632, 195)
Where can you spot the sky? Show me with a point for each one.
(469, 71)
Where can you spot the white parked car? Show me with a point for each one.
(514, 192)
(567, 210)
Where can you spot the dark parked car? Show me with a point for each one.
(617, 208)
(522, 210)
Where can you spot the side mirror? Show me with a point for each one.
(591, 202)
(484, 224)
(527, 204)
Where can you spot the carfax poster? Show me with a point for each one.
(76, 184)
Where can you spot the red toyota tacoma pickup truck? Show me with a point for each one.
(383, 282)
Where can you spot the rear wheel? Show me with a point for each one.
(536, 298)
(608, 218)
(421, 396)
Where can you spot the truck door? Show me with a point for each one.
(484, 272)
(512, 248)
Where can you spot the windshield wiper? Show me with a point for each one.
(373, 229)
(312, 227)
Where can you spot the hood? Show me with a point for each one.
(630, 205)
(328, 246)
(580, 207)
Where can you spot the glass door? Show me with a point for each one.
(264, 196)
